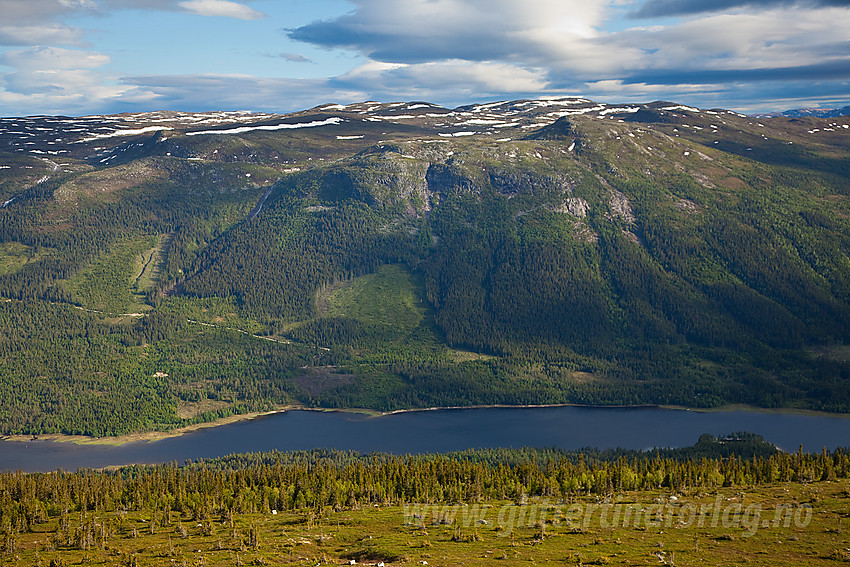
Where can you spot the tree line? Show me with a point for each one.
(258, 483)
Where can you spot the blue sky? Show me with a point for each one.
(78, 57)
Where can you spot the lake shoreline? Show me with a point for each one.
(154, 436)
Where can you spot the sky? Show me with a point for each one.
(80, 57)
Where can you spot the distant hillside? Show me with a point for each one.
(814, 112)
(166, 268)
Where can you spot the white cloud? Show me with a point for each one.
(27, 22)
(51, 34)
(776, 38)
(703, 95)
(223, 8)
(63, 91)
(78, 3)
(517, 43)
(53, 58)
(643, 90)
(41, 13)
(455, 79)
(55, 80)
(26, 12)
(476, 30)
(236, 92)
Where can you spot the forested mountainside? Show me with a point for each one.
(166, 268)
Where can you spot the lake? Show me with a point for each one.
(442, 431)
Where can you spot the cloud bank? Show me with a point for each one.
(668, 8)
(746, 55)
(564, 45)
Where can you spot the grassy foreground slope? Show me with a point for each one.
(403, 256)
(715, 503)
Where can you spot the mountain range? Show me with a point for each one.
(162, 269)
(816, 112)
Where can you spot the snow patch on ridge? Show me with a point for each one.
(135, 132)
(681, 107)
(243, 129)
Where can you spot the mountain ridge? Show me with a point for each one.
(813, 112)
(399, 255)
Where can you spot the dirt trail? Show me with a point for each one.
(263, 199)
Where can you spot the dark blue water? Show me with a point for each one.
(442, 431)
